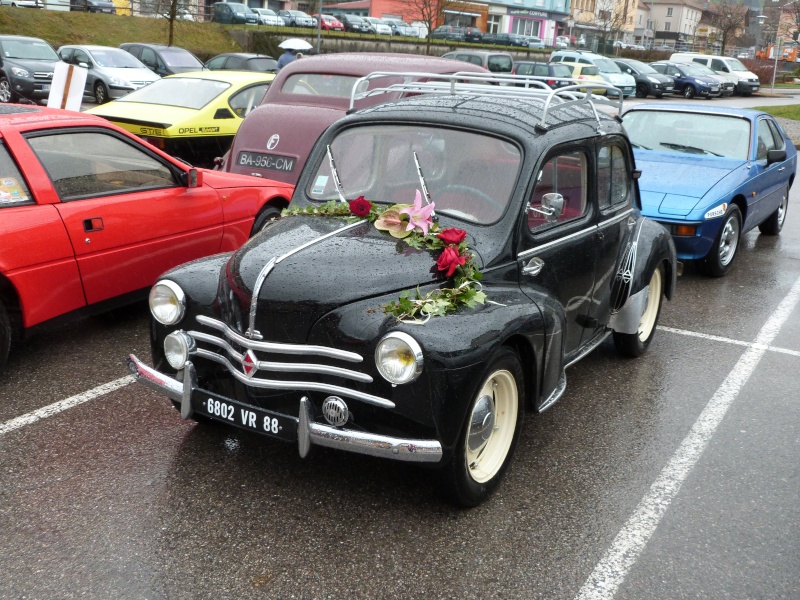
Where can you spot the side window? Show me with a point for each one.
(235, 63)
(777, 134)
(247, 99)
(65, 54)
(564, 175)
(765, 140)
(149, 58)
(87, 164)
(216, 63)
(13, 190)
(613, 185)
(718, 65)
(80, 57)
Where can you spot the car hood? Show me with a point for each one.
(282, 129)
(317, 274)
(33, 64)
(142, 74)
(155, 120)
(672, 185)
(619, 79)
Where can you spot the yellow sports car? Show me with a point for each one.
(192, 116)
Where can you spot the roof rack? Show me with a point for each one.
(494, 85)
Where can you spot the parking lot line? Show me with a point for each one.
(62, 405)
(716, 338)
(630, 542)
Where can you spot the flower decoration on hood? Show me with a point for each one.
(415, 225)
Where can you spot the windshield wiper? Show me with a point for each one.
(694, 149)
(425, 193)
(335, 174)
(635, 145)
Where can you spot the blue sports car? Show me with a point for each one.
(710, 175)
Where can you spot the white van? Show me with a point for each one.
(747, 82)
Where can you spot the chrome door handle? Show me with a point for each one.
(534, 266)
(781, 169)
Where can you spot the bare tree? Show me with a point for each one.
(790, 20)
(611, 19)
(728, 17)
(171, 10)
(429, 12)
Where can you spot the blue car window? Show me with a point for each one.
(765, 141)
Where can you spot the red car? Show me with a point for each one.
(307, 96)
(90, 215)
(329, 22)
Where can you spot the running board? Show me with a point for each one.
(599, 339)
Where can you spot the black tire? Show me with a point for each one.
(634, 344)
(688, 92)
(267, 214)
(774, 223)
(659, 95)
(5, 336)
(719, 259)
(100, 93)
(641, 90)
(489, 434)
(6, 93)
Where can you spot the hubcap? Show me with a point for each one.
(5, 91)
(492, 425)
(782, 208)
(728, 241)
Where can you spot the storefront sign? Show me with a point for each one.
(529, 13)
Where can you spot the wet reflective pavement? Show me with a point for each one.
(116, 497)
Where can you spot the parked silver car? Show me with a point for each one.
(269, 17)
(378, 26)
(112, 72)
(297, 18)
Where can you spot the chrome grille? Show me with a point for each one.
(224, 352)
(44, 75)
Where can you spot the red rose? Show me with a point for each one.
(451, 235)
(450, 260)
(360, 207)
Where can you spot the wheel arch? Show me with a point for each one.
(741, 203)
(527, 358)
(11, 300)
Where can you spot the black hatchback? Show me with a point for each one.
(649, 82)
(557, 74)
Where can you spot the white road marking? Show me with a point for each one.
(620, 557)
(717, 338)
(62, 405)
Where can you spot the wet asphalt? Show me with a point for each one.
(117, 497)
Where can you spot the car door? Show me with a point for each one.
(127, 216)
(769, 180)
(558, 252)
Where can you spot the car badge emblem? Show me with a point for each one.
(273, 142)
(249, 364)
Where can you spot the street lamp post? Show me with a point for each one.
(775, 48)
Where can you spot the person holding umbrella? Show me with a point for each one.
(291, 46)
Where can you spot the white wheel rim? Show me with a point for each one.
(648, 320)
(728, 241)
(491, 432)
(782, 207)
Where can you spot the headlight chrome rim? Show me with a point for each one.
(173, 310)
(178, 345)
(409, 374)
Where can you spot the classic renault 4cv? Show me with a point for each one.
(443, 261)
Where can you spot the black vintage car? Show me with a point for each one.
(444, 259)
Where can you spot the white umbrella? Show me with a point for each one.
(295, 44)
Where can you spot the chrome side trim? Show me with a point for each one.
(236, 337)
(598, 339)
(525, 253)
(310, 386)
(615, 220)
(556, 393)
(283, 367)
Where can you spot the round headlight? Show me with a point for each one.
(398, 358)
(167, 302)
(176, 349)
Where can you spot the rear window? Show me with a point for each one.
(500, 64)
(184, 92)
(317, 84)
(562, 71)
(591, 70)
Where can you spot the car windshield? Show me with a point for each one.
(735, 65)
(468, 175)
(606, 65)
(319, 84)
(28, 49)
(641, 67)
(703, 69)
(689, 133)
(237, 7)
(115, 58)
(692, 71)
(184, 92)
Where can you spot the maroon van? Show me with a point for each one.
(307, 96)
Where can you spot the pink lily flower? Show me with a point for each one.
(418, 215)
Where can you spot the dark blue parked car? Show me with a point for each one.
(710, 175)
(689, 81)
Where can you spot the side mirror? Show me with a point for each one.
(192, 178)
(553, 204)
(774, 156)
(85, 65)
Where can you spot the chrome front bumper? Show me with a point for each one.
(308, 432)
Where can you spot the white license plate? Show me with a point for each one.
(46, 87)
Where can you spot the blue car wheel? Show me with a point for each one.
(720, 258)
(774, 223)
